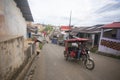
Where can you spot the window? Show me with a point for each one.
(110, 33)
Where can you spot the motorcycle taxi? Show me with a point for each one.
(76, 49)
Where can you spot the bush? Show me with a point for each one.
(94, 49)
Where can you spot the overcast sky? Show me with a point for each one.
(84, 12)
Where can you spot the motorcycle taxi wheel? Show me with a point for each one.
(89, 63)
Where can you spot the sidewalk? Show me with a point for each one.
(32, 69)
(26, 68)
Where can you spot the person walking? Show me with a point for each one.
(79, 50)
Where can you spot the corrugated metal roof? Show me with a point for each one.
(112, 25)
(92, 29)
(24, 7)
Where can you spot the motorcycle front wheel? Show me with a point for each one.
(89, 63)
(67, 58)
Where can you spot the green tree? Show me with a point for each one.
(48, 28)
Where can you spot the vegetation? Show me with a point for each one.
(48, 29)
(94, 49)
(40, 45)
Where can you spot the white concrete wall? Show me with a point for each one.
(2, 19)
(12, 54)
(15, 23)
(107, 49)
(12, 57)
(2, 24)
(118, 34)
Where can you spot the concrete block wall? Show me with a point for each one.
(12, 57)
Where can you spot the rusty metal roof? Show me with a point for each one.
(24, 7)
(112, 25)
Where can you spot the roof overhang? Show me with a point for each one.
(24, 7)
(77, 40)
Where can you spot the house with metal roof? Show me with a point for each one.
(14, 52)
(110, 39)
(91, 32)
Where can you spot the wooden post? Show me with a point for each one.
(93, 39)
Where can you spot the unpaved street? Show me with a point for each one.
(51, 65)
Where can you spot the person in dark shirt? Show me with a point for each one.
(79, 50)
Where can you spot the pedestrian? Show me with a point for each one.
(80, 46)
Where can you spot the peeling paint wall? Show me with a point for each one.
(11, 57)
(12, 21)
(2, 19)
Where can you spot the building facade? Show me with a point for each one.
(110, 39)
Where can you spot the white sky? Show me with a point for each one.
(84, 12)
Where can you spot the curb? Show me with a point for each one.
(108, 55)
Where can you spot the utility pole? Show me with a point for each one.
(70, 19)
(70, 22)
